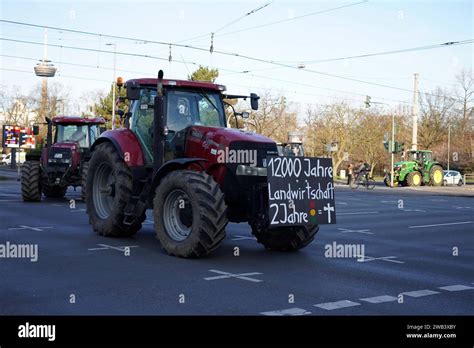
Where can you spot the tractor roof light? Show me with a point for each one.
(45, 68)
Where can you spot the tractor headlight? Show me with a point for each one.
(251, 171)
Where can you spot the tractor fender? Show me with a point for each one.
(127, 145)
(169, 166)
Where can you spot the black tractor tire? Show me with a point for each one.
(386, 180)
(411, 181)
(285, 238)
(31, 181)
(53, 191)
(85, 168)
(433, 170)
(106, 209)
(203, 228)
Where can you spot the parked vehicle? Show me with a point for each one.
(453, 177)
(7, 159)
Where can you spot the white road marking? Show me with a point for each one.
(78, 210)
(10, 200)
(24, 227)
(388, 201)
(346, 230)
(341, 203)
(384, 258)
(120, 248)
(438, 200)
(379, 299)
(336, 305)
(414, 210)
(464, 208)
(359, 213)
(446, 224)
(239, 237)
(456, 287)
(420, 293)
(243, 276)
(289, 311)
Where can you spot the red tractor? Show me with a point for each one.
(175, 155)
(63, 161)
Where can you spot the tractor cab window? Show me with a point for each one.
(94, 133)
(73, 133)
(186, 108)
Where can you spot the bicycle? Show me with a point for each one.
(363, 180)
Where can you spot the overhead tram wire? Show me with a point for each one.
(215, 51)
(223, 69)
(228, 24)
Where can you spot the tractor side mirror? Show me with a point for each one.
(121, 113)
(254, 101)
(244, 114)
(36, 130)
(133, 90)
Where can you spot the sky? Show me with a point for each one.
(359, 27)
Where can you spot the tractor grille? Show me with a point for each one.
(263, 149)
(60, 156)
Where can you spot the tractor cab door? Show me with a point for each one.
(142, 121)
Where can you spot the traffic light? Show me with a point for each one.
(367, 101)
(400, 147)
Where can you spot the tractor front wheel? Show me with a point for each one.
(285, 238)
(413, 179)
(108, 190)
(190, 214)
(436, 175)
(31, 181)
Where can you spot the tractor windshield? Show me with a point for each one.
(187, 108)
(72, 132)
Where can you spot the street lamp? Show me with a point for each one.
(113, 84)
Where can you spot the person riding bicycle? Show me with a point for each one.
(363, 170)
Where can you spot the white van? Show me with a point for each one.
(20, 158)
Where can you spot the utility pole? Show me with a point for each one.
(449, 143)
(113, 84)
(414, 139)
(392, 173)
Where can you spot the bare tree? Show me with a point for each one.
(15, 106)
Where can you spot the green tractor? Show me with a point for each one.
(418, 169)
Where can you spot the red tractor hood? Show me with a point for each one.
(66, 145)
(225, 136)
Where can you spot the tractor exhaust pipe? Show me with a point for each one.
(159, 126)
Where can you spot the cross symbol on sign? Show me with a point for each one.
(329, 209)
(105, 247)
(243, 276)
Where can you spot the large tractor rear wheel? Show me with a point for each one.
(414, 179)
(436, 175)
(85, 168)
(189, 213)
(108, 190)
(285, 238)
(31, 181)
(52, 191)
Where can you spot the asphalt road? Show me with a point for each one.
(78, 272)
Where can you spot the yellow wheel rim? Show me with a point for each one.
(437, 176)
(416, 179)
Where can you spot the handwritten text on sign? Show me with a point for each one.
(300, 191)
